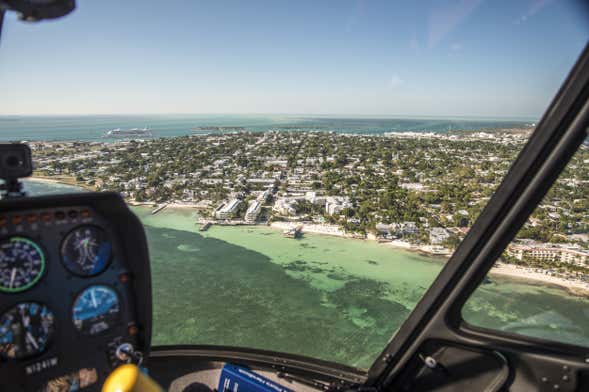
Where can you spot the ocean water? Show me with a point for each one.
(92, 128)
(332, 298)
(321, 296)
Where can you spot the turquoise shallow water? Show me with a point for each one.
(38, 188)
(326, 297)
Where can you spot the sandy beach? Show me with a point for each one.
(70, 181)
(182, 205)
(312, 228)
(574, 286)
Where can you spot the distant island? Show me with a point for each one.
(128, 133)
(218, 129)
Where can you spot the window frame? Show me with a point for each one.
(558, 135)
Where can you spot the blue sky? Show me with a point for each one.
(450, 58)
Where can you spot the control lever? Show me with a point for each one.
(129, 378)
(126, 353)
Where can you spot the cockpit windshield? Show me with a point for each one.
(304, 169)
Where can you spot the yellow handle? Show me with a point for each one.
(128, 378)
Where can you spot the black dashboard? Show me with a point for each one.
(75, 289)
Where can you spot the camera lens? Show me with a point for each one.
(15, 160)
(12, 161)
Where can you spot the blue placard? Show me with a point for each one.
(239, 379)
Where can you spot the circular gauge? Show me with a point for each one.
(96, 309)
(86, 250)
(22, 264)
(25, 330)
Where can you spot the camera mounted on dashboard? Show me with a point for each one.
(15, 162)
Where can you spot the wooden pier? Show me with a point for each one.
(205, 226)
(293, 232)
(158, 209)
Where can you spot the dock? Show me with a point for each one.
(158, 209)
(293, 232)
(205, 226)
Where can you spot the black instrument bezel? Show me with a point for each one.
(62, 259)
(119, 316)
(59, 287)
(51, 337)
(44, 254)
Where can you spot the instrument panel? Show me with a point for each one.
(74, 288)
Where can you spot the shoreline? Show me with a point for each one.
(336, 231)
(65, 180)
(313, 228)
(172, 205)
(574, 287)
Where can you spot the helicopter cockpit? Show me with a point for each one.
(76, 298)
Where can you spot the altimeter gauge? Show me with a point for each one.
(22, 263)
(25, 330)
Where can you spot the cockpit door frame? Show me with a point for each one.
(437, 316)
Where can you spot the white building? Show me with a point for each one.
(264, 196)
(438, 235)
(251, 215)
(312, 197)
(228, 210)
(261, 181)
(408, 227)
(336, 204)
(413, 186)
(385, 230)
(284, 206)
(551, 252)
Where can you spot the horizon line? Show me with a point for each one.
(311, 115)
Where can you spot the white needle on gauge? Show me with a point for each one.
(93, 299)
(31, 339)
(12, 276)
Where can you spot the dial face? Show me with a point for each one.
(22, 264)
(96, 309)
(25, 330)
(86, 250)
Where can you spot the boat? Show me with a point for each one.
(123, 133)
